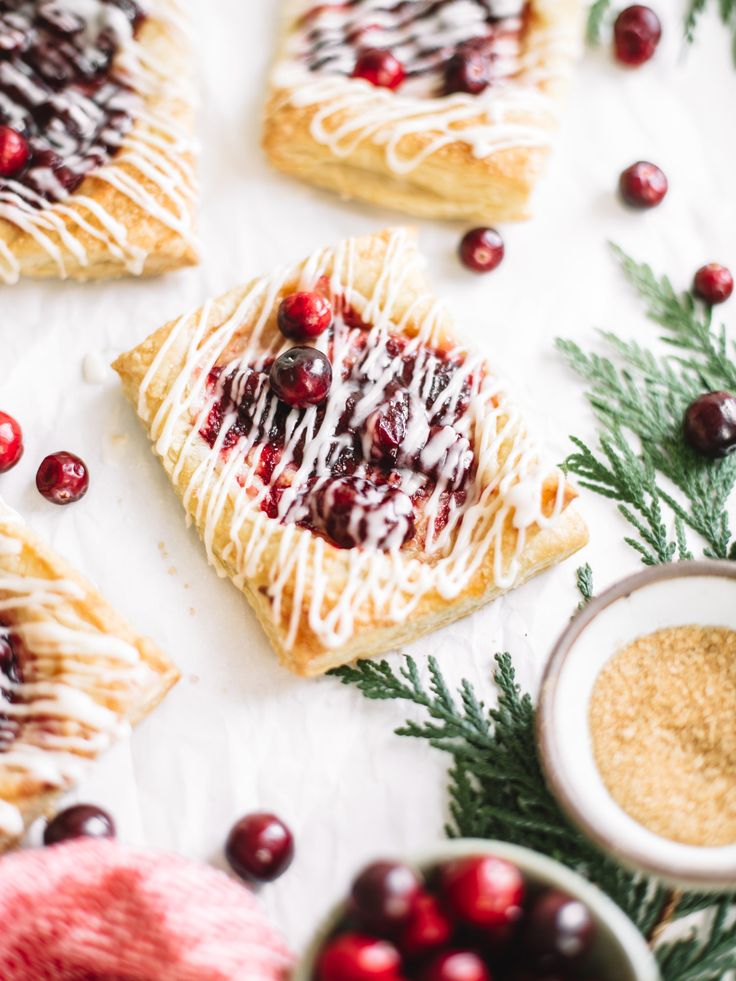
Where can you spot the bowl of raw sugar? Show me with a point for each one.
(637, 722)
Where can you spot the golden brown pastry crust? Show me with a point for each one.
(127, 687)
(142, 242)
(452, 181)
(154, 369)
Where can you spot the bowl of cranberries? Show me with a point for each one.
(476, 911)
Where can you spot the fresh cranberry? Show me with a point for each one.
(456, 965)
(353, 511)
(636, 34)
(559, 930)
(710, 424)
(304, 316)
(384, 895)
(468, 71)
(427, 928)
(260, 847)
(80, 821)
(385, 431)
(301, 377)
(482, 249)
(380, 68)
(643, 185)
(483, 891)
(13, 152)
(62, 478)
(11, 442)
(713, 283)
(356, 957)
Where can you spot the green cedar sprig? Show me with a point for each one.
(664, 490)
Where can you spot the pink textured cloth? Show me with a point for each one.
(97, 911)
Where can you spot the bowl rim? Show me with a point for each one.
(688, 872)
(533, 864)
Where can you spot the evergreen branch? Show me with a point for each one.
(702, 955)
(726, 10)
(584, 583)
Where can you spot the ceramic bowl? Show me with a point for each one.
(702, 593)
(620, 953)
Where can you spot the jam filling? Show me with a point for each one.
(61, 90)
(435, 40)
(386, 460)
(10, 675)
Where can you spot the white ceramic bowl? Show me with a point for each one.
(684, 593)
(620, 953)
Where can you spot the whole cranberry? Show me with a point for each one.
(354, 511)
(259, 847)
(357, 957)
(713, 283)
(468, 71)
(304, 316)
(11, 442)
(380, 68)
(427, 928)
(636, 34)
(80, 821)
(301, 377)
(62, 478)
(456, 965)
(384, 895)
(13, 152)
(710, 424)
(483, 891)
(482, 249)
(643, 185)
(559, 929)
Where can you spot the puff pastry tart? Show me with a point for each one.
(441, 108)
(96, 155)
(361, 491)
(73, 676)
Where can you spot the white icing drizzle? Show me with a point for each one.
(55, 723)
(152, 156)
(513, 112)
(505, 491)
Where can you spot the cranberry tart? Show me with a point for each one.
(362, 487)
(440, 108)
(73, 676)
(96, 154)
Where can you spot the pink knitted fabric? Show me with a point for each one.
(97, 911)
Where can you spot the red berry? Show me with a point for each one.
(468, 71)
(636, 34)
(710, 424)
(304, 316)
(456, 965)
(643, 185)
(380, 68)
(11, 442)
(427, 928)
(260, 847)
(80, 821)
(14, 152)
(559, 930)
(356, 957)
(713, 283)
(355, 511)
(384, 894)
(62, 478)
(301, 377)
(484, 891)
(482, 249)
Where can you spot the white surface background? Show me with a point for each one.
(238, 733)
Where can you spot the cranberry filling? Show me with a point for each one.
(10, 675)
(385, 450)
(60, 93)
(459, 45)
